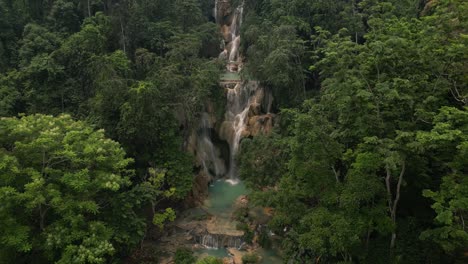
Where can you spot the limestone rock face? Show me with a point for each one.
(261, 124)
(228, 261)
(226, 32)
(224, 11)
(219, 226)
(241, 202)
(208, 154)
(248, 111)
(199, 190)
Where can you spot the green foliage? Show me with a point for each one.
(388, 119)
(55, 169)
(210, 260)
(241, 214)
(160, 218)
(8, 94)
(275, 59)
(250, 258)
(259, 170)
(36, 40)
(264, 239)
(248, 233)
(184, 256)
(449, 139)
(70, 183)
(372, 150)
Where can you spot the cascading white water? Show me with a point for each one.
(241, 14)
(242, 96)
(234, 58)
(233, 27)
(207, 153)
(240, 100)
(216, 11)
(217, 241)
(210, 241)
(234, 53)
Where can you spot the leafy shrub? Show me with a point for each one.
(210, 260)
(250, 258)
(248, 234)
(184, 256)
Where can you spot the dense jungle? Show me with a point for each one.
(233, 131)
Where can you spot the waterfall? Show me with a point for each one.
(215, 241)
(241, 96)
(210, 241)
(233, 27)
(239, 101)
(216, 11)
(241, 14)
(207, 153)
(235, 38)
(233, 54)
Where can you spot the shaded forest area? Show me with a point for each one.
(136, 72)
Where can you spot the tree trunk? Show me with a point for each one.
(368, 238)
(393, 203)
(337, 174)
(42, 215)
(123, 37)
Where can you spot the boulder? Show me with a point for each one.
(226, 32)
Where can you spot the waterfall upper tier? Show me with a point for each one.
(247, 111)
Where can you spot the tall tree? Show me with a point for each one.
(62, 187)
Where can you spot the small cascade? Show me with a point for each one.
(232, 38)
(214, 241)
(241, 14)
(210, 241)
(234, 53)
(233, 27)
(215, 11)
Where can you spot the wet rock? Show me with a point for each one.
(192, 143)
(232, 67)
(245, 134)
(261, 124)
(168, 260)
(236, 255)
(226, 131)
(225, 227)
(199, 190)
(223, 55)
(224, 11)
(226, 32)
(228, 260)
(255, 109)
(242, 202)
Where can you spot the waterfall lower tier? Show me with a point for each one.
(247, 114)
(219, 241)
(207, 153)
